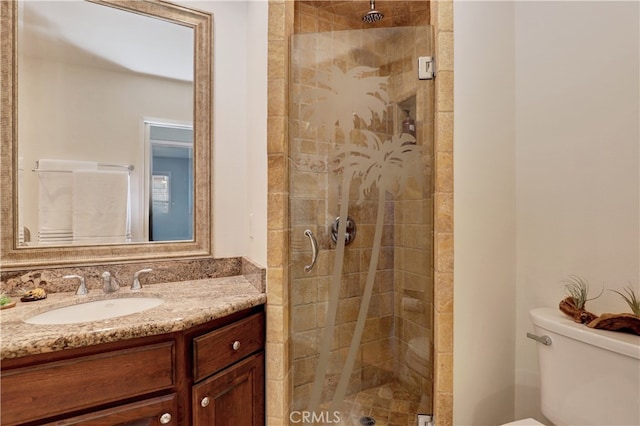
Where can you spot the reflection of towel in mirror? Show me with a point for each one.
(100, 206)
(55, 189)
(20, 201)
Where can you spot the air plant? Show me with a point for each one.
(631, 299)
(578, 289)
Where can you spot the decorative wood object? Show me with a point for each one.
(580, 315)
(627, 323)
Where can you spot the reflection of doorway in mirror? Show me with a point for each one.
(170, 185)
(160, 194)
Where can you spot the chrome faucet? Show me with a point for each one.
(136, 278)
(109, 285)
(82, 288)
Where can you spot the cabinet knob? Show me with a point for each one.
(204, 401)
(236, 345)
(165, 418)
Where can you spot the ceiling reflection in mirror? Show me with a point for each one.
(91, 77)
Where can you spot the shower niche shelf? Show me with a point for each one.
(408, 103)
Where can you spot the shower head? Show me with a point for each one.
(372, 15)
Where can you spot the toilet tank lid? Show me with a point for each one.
(555, 321)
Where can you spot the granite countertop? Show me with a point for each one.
(187, 303)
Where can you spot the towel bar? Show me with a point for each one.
(129, 167)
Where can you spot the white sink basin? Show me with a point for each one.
(96, 310)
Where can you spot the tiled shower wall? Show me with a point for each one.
(279, 371)
(413, 276)
(314, 205)
(442, 22)
(397, 341)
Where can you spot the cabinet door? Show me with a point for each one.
(30, 393)
(158, 411)
(233, 397)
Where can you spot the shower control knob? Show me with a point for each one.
(350, 233)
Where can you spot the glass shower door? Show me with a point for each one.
(361, 203)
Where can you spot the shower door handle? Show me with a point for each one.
(314, 250)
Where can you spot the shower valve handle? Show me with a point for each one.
(314, 250)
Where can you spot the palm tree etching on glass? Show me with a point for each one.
(387, 167)
(347, 103)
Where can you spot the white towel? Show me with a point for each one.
(55, 198)
(20, 201)
(100, 206)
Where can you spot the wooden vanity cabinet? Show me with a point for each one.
(144, 381)
(228, 370)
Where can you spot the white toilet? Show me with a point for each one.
(587, 376)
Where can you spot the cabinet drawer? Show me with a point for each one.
(216, 350)
(155, 411)
(47, 390)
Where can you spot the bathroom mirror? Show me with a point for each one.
(49, 116)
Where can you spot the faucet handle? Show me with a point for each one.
(82, 288)
(136, 281)
(109, 284)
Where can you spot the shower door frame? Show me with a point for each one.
(278, 387)
(364, 80)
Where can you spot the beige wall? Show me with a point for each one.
(577, 167)
(239, 126)
(256, 98)
(485, 292)
(547, 182)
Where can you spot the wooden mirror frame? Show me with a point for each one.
(13, 257)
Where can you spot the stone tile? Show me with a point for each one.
(277, 174)
(277, 324)
(276, 361)
(277, 211)
(444, 131)
(444, 15)
(445, 51)
(275, 403)
(276, 248)
(444, 252)
(444, 408)
(444, 375)
(277, 142)
(444, 91)
(444, 172)
(277, 103)
(444, 332)
(277, 293)
(305, 317)
(444, 212)
(277, 20)
(278, 55)
(444, 292)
